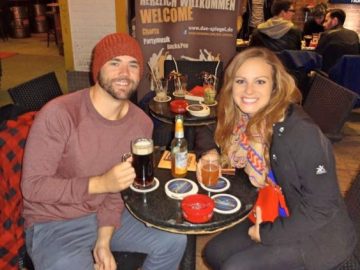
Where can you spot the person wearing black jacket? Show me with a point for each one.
(336, 41)
(278, 33)
(259, 119)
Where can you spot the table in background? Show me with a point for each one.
(162, 112)
(157, 210)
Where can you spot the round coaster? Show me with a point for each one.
(210, 105)
(168, 98)
(226, 203)
(154, 186)
(178, 95)
(222, 185)
(179, 188)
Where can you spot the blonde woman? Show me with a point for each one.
(262, 129)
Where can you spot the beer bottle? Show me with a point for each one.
(179, 149)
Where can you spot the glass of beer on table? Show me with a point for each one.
(142, 153)
(210, 170)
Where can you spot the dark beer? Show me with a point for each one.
(142, 152)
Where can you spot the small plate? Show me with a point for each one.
(179, 95)
(198, 110)
(154, 186)
(168, 98)
(222, 185)
(179, 188)
(226, 203)
(202, 103)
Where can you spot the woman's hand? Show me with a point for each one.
(254, 231)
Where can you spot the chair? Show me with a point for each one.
(34, 94)
(346, 73)
(162, 133)
(13, 135)
(193, 71)
(77, 80)
(329, 105)
(299, 63)
(352, 201)
(333, 52)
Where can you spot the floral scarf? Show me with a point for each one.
(247, 154)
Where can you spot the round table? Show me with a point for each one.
(162, 112)
(157, 210)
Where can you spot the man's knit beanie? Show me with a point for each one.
(114, 45)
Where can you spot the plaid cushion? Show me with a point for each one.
(13, 134)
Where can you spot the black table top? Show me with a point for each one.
(162, 112)
(158, 210)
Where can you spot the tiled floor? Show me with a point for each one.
(20, 69)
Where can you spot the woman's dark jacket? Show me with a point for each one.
(304, 166)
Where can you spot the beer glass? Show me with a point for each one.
(161, 88)
(307, 39)
(210, 170)
(142, 152)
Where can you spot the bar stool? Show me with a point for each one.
(50, 15)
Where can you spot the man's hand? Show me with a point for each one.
(118, 178)
(104, 260)
(254, 231)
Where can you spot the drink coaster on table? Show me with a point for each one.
(168, 98)
(154, 186)
(179, 188)
(226, 203)
(178, 95)
(222, 185)
(212, 104)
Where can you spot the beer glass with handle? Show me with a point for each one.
(142, 153)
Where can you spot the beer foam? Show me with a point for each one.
(142, 148)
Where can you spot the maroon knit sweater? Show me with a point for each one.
(69, 142)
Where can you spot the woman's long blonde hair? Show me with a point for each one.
(284, 93)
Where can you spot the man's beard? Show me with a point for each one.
(107, 85)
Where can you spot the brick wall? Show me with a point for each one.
(352, 13)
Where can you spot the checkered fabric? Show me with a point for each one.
(13, 134)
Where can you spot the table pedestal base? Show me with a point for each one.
(188, 261)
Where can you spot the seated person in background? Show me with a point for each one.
(262, 129)
(336, 41)
(73, 173)
(278, 33)
(314, 25)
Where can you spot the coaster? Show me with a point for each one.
(168, 98)
(226, 203)
(154, 186)
(178, 95)
(222, 185)
(210, 105)
(179, 188)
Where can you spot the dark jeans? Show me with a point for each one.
(234, 250)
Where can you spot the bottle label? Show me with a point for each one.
(181, 162)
